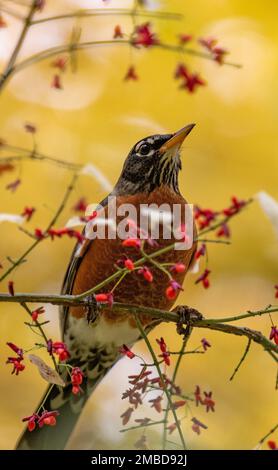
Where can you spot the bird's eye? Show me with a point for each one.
(145, 149)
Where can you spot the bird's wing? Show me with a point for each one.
(77, 256)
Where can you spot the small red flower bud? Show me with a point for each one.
(101, 297)
(179, 404)
(14, 185)
(60, 63)
(76, 380)
(209, 43)
(48, 418)
(201, 252)
(31, 421)
(218, 54)
(156, 404)
(17, 366)
(50, 421)
(40, 4)
(132, 242)
(37, 312)
(224, 231)
(162, 344)
(129, 264)
(16, 349)
(49, 346)
(197, 425)
(127, 415)
(131, 74)
(178, 268)
(5, 166)
(172, 290)
(143, 36)
(274, 334)
(61, 350)
(208, 402)
(56, 82)
(198, 397)
(80, 205)
(166, 357)
(126, 351)
(272, 445)
(148, 275)
(105, 298)
(28, 212)
(39, 234)
(205, 344)
(204, 279)
(181, 71)
(170, 293)
(31, 425)
(163, 348)
(185, 38)
(118, 32)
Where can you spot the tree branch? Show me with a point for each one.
(35, 155)
(242, 358)
(160, 15)
(68, 48)
(211, 324)
(11, 63)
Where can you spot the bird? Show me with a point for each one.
(150, 175)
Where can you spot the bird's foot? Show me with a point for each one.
(187, 316)
(92, 309)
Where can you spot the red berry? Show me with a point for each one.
(129, 264)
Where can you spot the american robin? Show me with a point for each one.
(149, 176)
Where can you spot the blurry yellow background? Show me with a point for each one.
(232, 151)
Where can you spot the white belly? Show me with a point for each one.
(99, 334)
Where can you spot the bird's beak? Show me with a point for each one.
(177, 139)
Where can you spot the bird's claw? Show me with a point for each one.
(92, 309)
(187, 316)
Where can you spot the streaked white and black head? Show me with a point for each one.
(153, 162)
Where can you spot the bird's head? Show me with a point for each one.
(153, 162)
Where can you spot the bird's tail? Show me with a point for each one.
(69, 408)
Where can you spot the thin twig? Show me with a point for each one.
(11, 63)
(35, 155)
(206, 240)
(10, 12)
(66, 48)
(38, 325)
(242, 359)
(160, 15)
(250, 313)
(152, 423)
(164, 386)
(175, 373)
(186, 352)
(261, 441)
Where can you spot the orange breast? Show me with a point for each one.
(102, 255)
